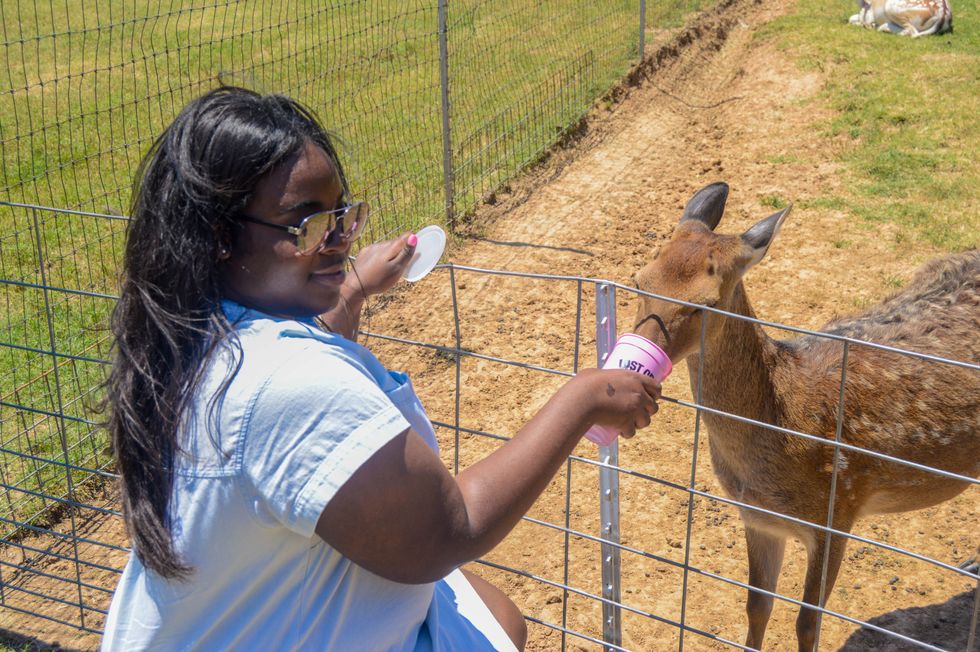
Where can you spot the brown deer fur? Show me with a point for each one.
(923, 411)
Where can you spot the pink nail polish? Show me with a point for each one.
(413, 240)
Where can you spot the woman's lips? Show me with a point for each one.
(331, 275)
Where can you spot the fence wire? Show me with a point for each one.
(439, 104)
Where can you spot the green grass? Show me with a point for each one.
(774, 201)
(906, 119)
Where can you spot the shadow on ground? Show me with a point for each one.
(14, 641)
(945, 625)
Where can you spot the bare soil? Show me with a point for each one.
(712, 103)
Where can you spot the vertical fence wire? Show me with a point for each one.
(447, 142)
(60, 422)
(568, 475)
(458, 359)
(694, 474)
(838, 429)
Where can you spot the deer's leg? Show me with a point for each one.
(907, 27)
(806, 622)
(765, 560)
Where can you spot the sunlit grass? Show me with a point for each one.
(907, 113)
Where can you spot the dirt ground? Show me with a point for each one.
(713, 104)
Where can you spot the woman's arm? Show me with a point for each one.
(404, 517)
(377, 268)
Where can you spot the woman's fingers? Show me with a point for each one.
(645, 406)
(642, 421)
(623, 400)
(402, 248)
(409, 245)
(379, 266)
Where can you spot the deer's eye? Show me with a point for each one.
(688, 311)
(692, 310)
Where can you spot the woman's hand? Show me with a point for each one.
(380, 265)
(619, 399)
(377, 268)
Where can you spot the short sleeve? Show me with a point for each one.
(313, 422)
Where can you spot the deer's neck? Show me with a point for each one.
(738, 367)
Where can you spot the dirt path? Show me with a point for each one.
(714, 105)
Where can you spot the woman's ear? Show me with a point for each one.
(223, 236)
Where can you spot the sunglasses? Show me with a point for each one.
(345, 223)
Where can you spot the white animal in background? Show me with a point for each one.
(905, 17)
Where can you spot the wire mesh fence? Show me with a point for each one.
(439, 103)
(86, 86)
(628, 549)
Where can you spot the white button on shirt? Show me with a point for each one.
(302, 413)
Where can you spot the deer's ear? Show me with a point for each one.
(707, 205)
(758, 238)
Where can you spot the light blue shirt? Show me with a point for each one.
(303, 411)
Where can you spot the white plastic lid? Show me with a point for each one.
(428, 251)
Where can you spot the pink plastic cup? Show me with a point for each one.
(635, 353)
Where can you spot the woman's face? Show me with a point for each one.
(264, 269)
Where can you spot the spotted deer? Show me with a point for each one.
(905, 17)
(910, 408)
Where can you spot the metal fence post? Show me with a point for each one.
(447, 143)
(605, 336)
(643, 26)
(971, 643)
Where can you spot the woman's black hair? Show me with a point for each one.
(190, 186)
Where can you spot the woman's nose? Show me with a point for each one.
(334, 243)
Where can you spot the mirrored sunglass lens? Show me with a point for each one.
(355, 219)
(316, 230)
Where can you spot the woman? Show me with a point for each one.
(281, 488)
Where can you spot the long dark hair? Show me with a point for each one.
(189, 188)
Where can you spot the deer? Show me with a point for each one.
(906, 407)
(913, 18)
